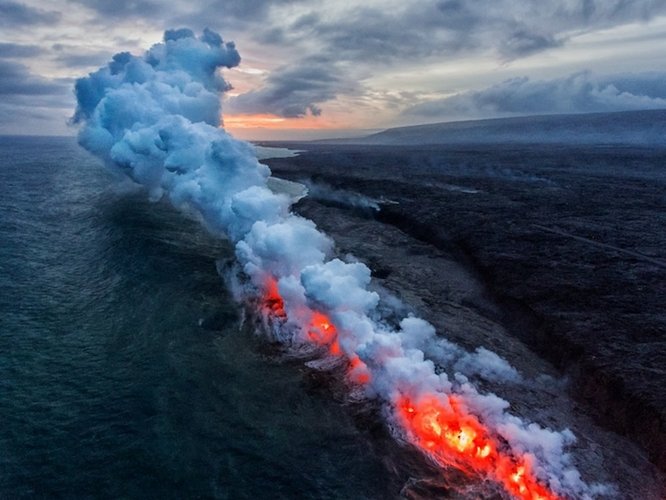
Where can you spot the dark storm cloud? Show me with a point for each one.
(306, 21)
(376, 34)
(73, 56)
(379, 34)
(272, 36)
(18, 50)
(84, 60)
(409, 32)
(373, 33)
(294, 91)
(244, 9)
(10, 112)
(30, 104)
(127, 8)
(215, 13)
(523, 43)
(438, 28)
(332, 47)
(304, 26)
(14, 14)
(578, 93)
(35, 115)
(16, 80)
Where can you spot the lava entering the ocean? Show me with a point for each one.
(320, 331)
(436, 424)
(155, 118)
(441, 429)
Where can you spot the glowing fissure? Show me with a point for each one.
(156, 119)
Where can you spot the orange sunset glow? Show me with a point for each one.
(234, 122)
(266, 126)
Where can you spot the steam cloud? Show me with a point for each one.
(156, 118)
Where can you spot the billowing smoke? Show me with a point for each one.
(323, 192)
(156, 118)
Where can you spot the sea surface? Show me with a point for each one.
(125, 368)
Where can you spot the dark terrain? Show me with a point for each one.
(567, 243)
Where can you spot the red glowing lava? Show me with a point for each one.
(439, 427)
(320, 331)
(358, 371)
(273, 300)
(452, 437)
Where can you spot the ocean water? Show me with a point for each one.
(125, 369)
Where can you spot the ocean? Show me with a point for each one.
(125, 367)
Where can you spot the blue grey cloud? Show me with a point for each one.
(74, 56)
(18, 50)
(402, 31)
(89, 60)
(577, 93)
(14, 14)
(435, 27)
(16, 80)
(30, 103)
(195, 14)
(294, 91)
(522, 43)
(332, 50)
(430, 29)
(147, 9)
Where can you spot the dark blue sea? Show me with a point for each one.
(125, 369)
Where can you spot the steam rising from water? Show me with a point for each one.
(156, 118)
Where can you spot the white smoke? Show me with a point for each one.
(324, 192)
(156, 117)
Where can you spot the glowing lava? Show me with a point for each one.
(437, 425)
(320, 331)
(443, 431)
(272, 299)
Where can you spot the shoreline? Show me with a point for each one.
(605, 397)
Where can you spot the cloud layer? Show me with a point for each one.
(15, 14)
(294, 90)
(387, 34)
(362, 64)
(577, 93)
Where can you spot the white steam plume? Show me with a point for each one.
(156, 117)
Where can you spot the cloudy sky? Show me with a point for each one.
(316, 68)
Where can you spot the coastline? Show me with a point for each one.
(470, 295)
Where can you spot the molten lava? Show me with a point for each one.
(439, 426)
(273, 300)
(321, 331)
(453, 437)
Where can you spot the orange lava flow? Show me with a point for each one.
(272, 299)
(320, 331)
(453, 437)
(441, 429)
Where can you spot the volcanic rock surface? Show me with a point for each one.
(550, 257)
